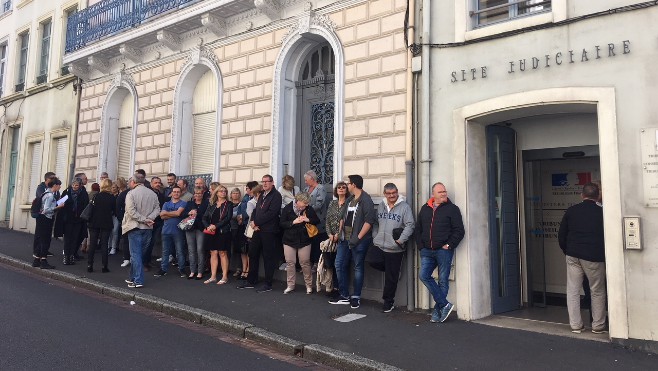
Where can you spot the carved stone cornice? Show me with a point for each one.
(99, 64)
(131, 53)
(214, 24)
(270, 8)
(80, 70)
(308, 20)
(199, 52)
(169, 40)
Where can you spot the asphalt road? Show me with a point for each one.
(46, 324)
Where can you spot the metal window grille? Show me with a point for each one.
(494, 11)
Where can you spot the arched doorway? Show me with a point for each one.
(196, 130)
(119, 119)
(314, 127)
(308, 103)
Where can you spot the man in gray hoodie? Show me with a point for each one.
(356, 236)
(395, 225)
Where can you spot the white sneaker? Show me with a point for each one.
(288, 290)
(125, 263)
(113, 251)
(158, 259)
(283, 266)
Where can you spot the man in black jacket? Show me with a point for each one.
(581, 240)
(265, 222)
(438, 232)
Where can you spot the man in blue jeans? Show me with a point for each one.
(355, 238)
(439, 229)
(142, 208)
(172, 236)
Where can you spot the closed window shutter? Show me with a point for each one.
(35, 170)
(61, 156)
(126, 117)
(125, 139)
(203, 143)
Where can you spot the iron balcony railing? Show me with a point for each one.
(110, 17)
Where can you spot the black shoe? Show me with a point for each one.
(266, 288)
(160, 273)
(44, 264)
(67, 261)
(387, 308)
(105, 270)
(49, 254)
(339, 300)
(355, 303)
(245, 285)
(36, 263)
(90, 268)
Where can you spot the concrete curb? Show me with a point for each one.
(311, 352)
(280, 342)
(343, 360)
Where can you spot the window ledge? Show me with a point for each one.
(22, 3)
(511, 25)
(6, 14)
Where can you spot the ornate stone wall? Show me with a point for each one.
(374, 123)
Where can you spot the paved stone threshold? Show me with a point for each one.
(311, 352)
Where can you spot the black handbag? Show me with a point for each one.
(88, 212)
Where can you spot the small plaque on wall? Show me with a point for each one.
(649, 148)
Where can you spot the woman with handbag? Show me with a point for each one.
(237, 230)
(195, 209)
(298, 222)
(74, 226)
(217, 222)
(100, 224)
(256, 190)
(335, 212)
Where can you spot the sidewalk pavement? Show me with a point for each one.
(304, 324)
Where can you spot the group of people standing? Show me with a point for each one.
(308, 230)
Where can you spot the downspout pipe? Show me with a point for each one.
(78, 91)
(425, 124)
(409, 152)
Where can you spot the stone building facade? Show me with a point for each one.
(241, 89)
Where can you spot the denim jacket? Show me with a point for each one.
(49, 204)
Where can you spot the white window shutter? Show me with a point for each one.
(61, 156)
(125, 147)
(35, 170)
(203, 143)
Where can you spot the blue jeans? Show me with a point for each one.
(169, 242)
(429, 260)
(138, 240)
(345, 255)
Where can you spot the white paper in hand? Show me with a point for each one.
(62, 200)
